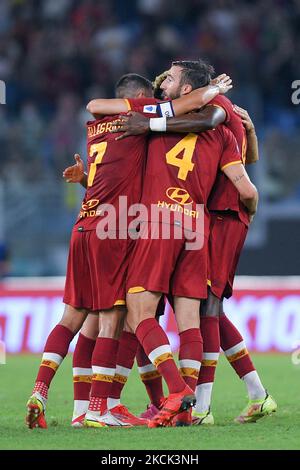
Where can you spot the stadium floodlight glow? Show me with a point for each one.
(296, 93)
(2, 92)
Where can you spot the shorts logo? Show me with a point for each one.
(179, 195)
(90, 204)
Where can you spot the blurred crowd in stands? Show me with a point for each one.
(55, 55)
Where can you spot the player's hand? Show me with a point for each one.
(75, 173)
(246, 120)
(223, 82)
(131, 124)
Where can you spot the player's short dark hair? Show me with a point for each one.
(196, 73)
(128, 86)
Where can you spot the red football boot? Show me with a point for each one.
(174, 404)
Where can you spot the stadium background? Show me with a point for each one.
(55, 55)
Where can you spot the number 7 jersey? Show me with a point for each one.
(115, 168)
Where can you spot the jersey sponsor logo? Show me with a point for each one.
(87, 209)
(179, 195)
(149, 109)
(90, 204)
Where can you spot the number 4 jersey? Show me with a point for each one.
(181, 171)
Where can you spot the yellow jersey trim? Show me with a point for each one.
(209, 282)
(128, 104)
(120, 302)
(231, 163)
(136, 289)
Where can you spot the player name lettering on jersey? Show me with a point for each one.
(100, 128)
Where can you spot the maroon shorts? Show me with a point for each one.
(166, 265)
(96, 271)
(227, 238)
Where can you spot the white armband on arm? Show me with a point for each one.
(165, 109)
(158, 124)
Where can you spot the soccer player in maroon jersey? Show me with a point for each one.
(96, 267)
(229, 223)
(191, 179)
(95, 276)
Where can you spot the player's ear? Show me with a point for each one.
(186, 89)
(141, 93)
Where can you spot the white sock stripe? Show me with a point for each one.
(238, 347)
(123, 371)
(82, 371)
(103, 370)
(211, 356)
(166, 348)
(147, 368)
(190, 363)
(52, 357)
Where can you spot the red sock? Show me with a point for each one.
(128, 344)
(104, 367)
(150, 376)
(211, 349)
(156, 345)
(82, 367)
(190, 355)
(234, 347)
(56, 348)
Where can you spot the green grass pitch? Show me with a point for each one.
(281, 431)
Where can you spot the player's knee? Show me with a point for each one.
(112, 323)
(141, 306)
(73, 318)
(90, 328)
(190, 319)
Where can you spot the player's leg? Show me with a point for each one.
(150, 376)
(152, 380)
(150, 270)
(227, 237)
(55, 350)
(189, 285)
(209, 325)
(190, 346)
(260, 402)
(141, 317)
(104, 361)
(82, 368)
(128, 344)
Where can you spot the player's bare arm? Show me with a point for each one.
(198, 98)
(75, 173)
(252, 154)
(248, 192)
(204, 120)
(103, 107)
